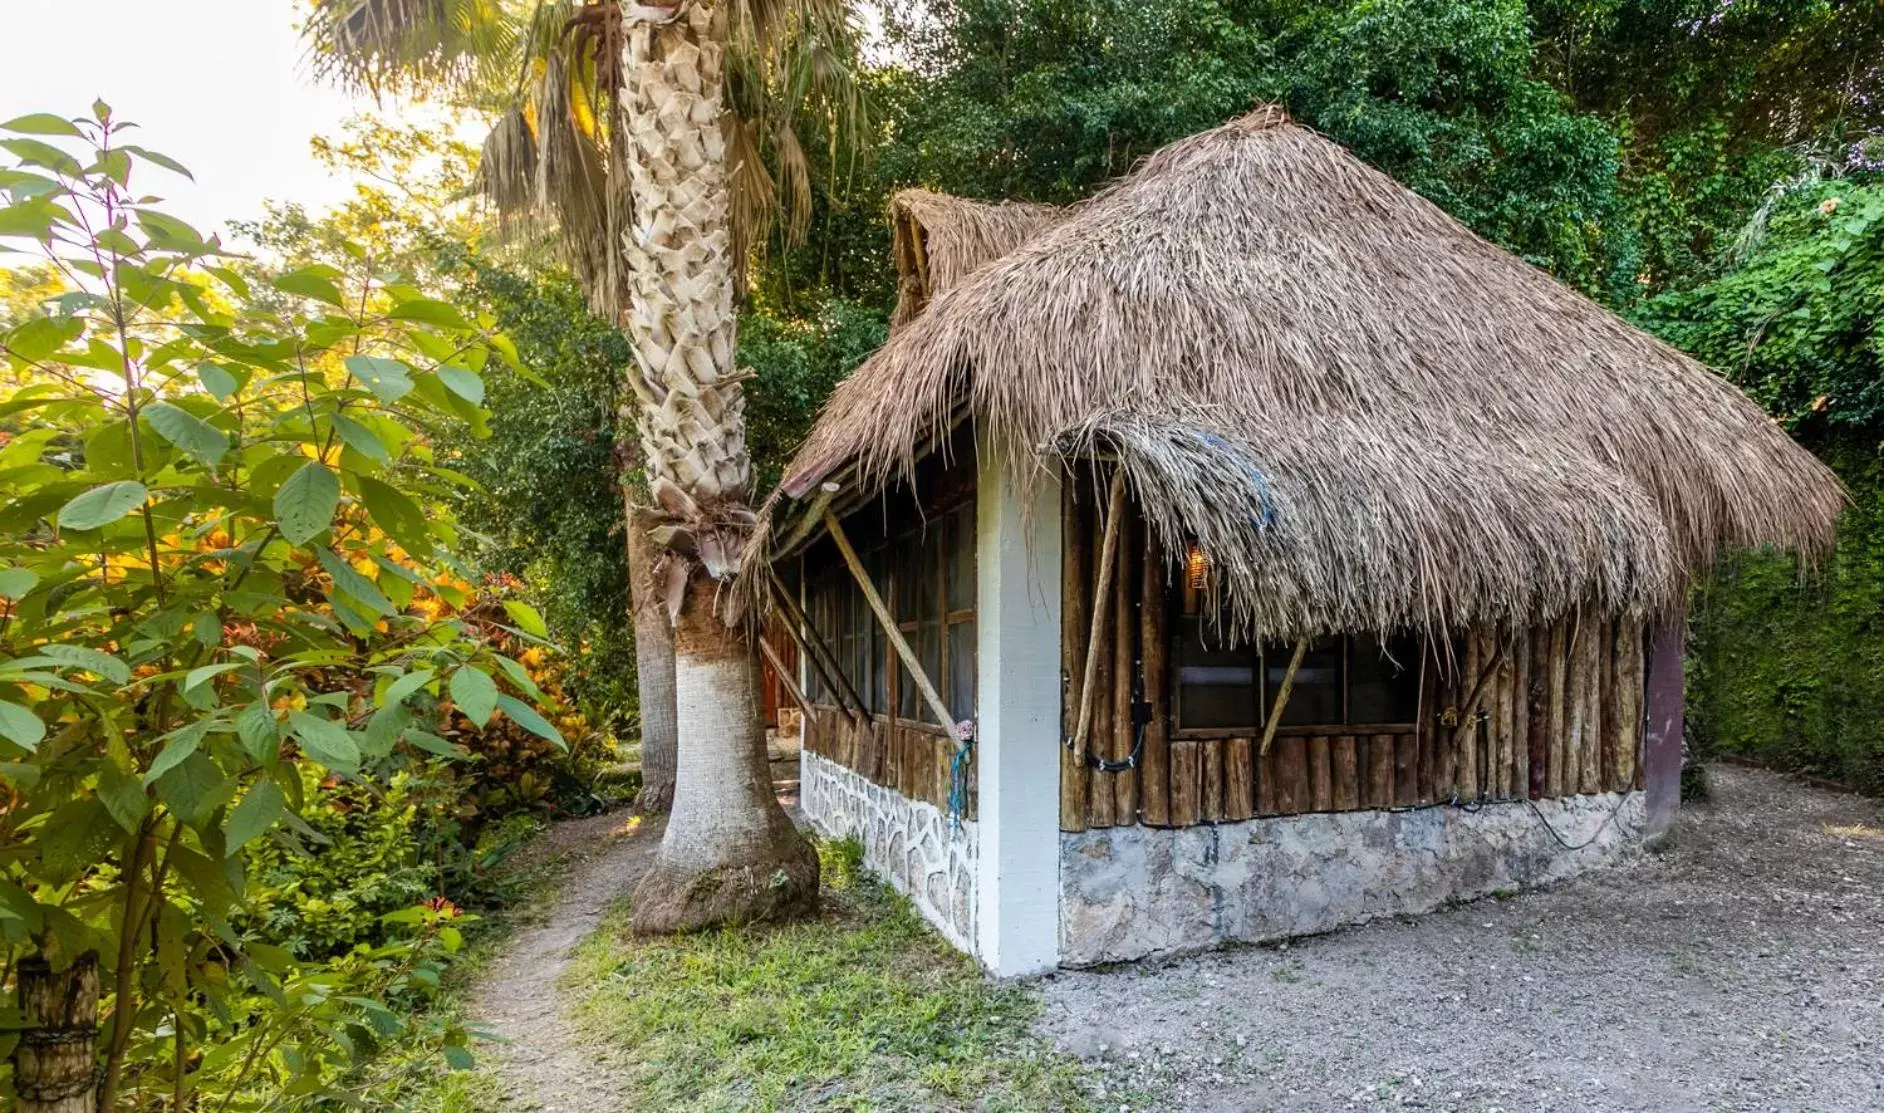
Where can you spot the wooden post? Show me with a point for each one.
(1282, 694)
(1520, 783)
(1320, 775)
(785, 678)
(1465, 738)
(1628, 703)
(1239, 793)
(1589, 759)
(1115, 510)
(1537, 708)
(1154, 777)
(1346, 773)
(52, 1063)
(1291, 775)
(1124, 634)
(1075, 629)
(812, 644)
(1266, 784)
(1606, 700)
(1186, 783)
(1380, 771)
(1557, 780)
(1213, 780)
(1406, 779)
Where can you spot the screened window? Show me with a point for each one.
(926, 576)
(1349, 680)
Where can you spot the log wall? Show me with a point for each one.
(914, 759)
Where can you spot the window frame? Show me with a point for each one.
(1259, 657)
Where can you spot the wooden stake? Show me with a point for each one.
(1124, 724)
(907, 655)
(1075, 623)
(1115, 510)
(1154, 767)
(1282, 694)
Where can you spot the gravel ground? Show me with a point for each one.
(1739, 968)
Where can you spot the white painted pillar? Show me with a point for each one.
(1018, 723)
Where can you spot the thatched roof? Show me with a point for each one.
(1366, 415)
(939, 240)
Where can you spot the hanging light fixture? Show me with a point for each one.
(1196, 568)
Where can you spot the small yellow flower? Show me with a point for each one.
(1830, 205)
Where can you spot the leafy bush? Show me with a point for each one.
(228, 592)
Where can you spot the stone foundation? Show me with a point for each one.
(1134, 892)
(905, 841)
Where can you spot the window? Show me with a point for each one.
(926, 576)
(1346, 680)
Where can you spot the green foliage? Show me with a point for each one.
(862, 1009)
(1047, 99)
(228, 586)
(1788, 667)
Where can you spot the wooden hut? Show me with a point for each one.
(1249, 550)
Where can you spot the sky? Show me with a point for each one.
(219, 85)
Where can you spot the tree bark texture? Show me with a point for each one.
(654, 668)
(54, 1068)
(730, 854)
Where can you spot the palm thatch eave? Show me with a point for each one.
(1369, 417)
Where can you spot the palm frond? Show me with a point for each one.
(414, 46)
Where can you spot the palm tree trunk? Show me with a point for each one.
(53, 1062)
(654, 667)
(730, 854)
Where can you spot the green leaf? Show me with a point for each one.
(429, 311)
(475, 693)
(182, 744)
(158, 159)
(526, 717)
(259, 733)
(520, 676)
(20, 725)
(406, 685)
(458, 1058)
(257, 812)
(168, 233)
(325, 740)
(388, 379)
(122, 796)
(42, 336)
(188, 432)
(347, 579)
(433, 744)
(361, 439)
(465, 384)
(305, 504)
(203, 673)
(103, 505)
(42, 123)
(218, 381)
(526, 618)
(32, 152)
(16, 582)
(395, 512)
(310, 282)
(91, 660)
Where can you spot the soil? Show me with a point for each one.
(1738, 967)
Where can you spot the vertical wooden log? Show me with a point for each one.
(1212, 810)
(1628, 704)
(1448, 697)
(1320, 775)
(1186, 783)
(1505, 747)
(1266, 782)
(1558, 781)
(1519, 783)
(1291, 774)
(1406, 778)
(52, 1063)
(1425, 733)
(1347, 772)
(1154, 776)
(1537, 723)
(1380, 771)
(1589, 753)
(1465, 777)
(1125, 579)
(1239, 793)
(1609, 708)
(1075, 623)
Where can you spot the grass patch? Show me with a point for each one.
(863, 1008)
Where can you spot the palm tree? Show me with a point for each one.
(646, 132)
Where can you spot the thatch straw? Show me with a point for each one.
(1368, 417)
(939, 240)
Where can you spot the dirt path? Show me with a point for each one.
(1742, 969)
(546, 1065)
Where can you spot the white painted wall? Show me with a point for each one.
(1017, 618)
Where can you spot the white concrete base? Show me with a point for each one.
(1133, 892)
(907, 842)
